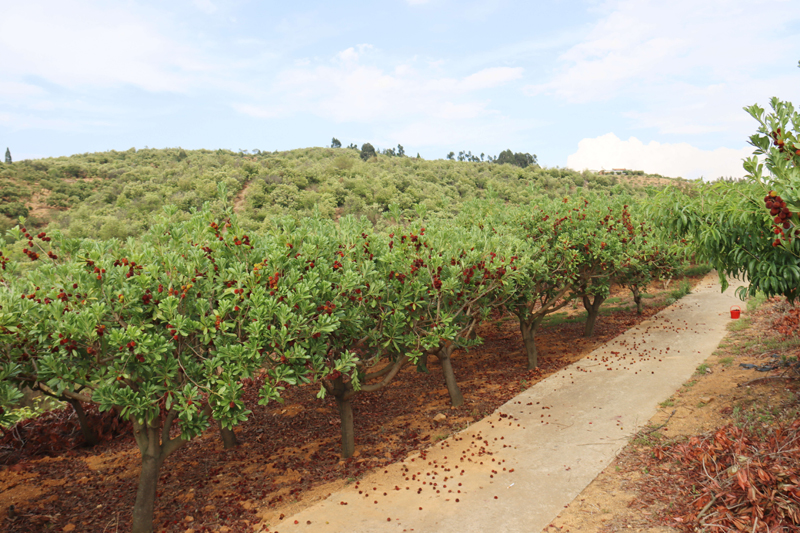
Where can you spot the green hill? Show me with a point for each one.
(113, 194)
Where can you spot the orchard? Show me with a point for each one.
(168, 329)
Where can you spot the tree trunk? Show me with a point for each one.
(637, 297)
(456, 398)
(155, 446)
(348, 432)
(146, 495)
(229, 439)
(592, 309)
(528, 330)
(88, 435)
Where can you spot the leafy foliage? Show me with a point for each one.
(731, 224)
(116, 194)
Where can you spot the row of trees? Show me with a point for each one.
(368, 151)
(518, 159)
(165, 329)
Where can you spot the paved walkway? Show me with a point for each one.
(516, 469)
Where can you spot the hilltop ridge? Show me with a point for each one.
(112, 194)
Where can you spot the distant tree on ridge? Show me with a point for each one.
(367, 151)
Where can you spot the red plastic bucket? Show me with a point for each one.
(736, 311)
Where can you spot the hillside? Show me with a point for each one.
(113, 194)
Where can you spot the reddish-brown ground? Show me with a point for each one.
(289, 453)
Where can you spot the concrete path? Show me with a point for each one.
(516, 469)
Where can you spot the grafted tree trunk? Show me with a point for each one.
(146, 495)
(529, 328)
(88, 435)
(155, 446)
(529, 320)
(456, 398)
(343, 394)
(229, 439)
(345, 406)
(592, 309)
(637, 297)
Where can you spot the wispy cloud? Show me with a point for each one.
(79, 43)
(491, 77)
(678, 60)
(350, 88)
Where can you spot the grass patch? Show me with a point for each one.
(702, 369)
(562, 318)
(739, 324)
(613, 309)
(695, 270)
(761, 413)
(726, 361)
(756, 301)
(780, 345)
(648, 439)
(689, 384)
(667, 403)
(683, 288)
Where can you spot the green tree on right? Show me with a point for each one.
(748, 229)
(8, 156)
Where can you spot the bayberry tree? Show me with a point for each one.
(749, 228)
(163, 329)
(647, 258)
(397, 297)
(466, 270)
(550, 270)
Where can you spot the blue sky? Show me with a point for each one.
(642, 84)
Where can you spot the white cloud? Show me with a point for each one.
(348, 54)
(353, 53)
(682, 67)
(77, 43)
(206, 6)
(350, 89)
(492, 77)
(647, 42)
(17, 89)
(674, 160)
